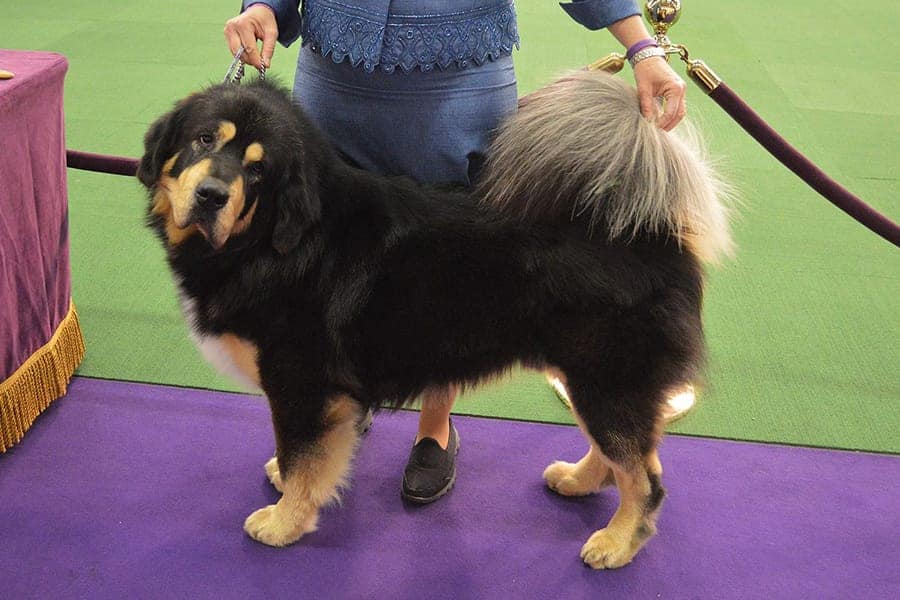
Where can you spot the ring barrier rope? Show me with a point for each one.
(802, 166)
(102, 163)
(662, 14)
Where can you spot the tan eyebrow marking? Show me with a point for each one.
(253, 153)
(227, 131)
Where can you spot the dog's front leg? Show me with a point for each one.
(314, 454)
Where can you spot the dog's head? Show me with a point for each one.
(232, 161)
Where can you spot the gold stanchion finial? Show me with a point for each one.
(611, 63)
(662, 14)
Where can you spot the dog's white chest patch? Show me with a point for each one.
(231, 355)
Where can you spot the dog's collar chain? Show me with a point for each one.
(235, 72)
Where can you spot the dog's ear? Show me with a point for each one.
(298, 208)
(159, 145)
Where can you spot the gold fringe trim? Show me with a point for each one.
(40, 380)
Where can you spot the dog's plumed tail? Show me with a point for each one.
(580, 146)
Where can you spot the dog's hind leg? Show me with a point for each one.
(588, 476)
(309, 470)
(623, 450)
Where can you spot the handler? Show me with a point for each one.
(415, 88)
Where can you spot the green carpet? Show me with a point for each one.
(802, 325)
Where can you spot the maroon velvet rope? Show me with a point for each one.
(722, 95)
(115, 165)
(802, 166)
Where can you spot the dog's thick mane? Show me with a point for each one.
(581, 146)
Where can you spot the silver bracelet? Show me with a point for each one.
(646, 53)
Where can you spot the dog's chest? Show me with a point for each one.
(230, 354)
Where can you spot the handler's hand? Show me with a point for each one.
(656, 79)
(255, 23)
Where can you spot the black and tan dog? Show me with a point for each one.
(334, 290)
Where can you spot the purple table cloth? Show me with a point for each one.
(40, 343)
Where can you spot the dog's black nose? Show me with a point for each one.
(211, 194)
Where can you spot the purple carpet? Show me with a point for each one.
(137, 491)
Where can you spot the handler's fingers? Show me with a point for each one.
(674, 111)
(649, 107)
(268, 47)
(656, 79)
(251, 54)
(674, 95)
(239, 34)
(256, 23)
(233, 36)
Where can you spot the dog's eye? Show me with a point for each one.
(206, 139)
(255, 170)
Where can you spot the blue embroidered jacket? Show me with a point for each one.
(419, 33)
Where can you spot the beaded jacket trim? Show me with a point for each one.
(409, 41)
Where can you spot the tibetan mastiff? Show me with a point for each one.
(333, 290)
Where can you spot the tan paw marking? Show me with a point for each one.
(563, 478)
(274, 474)
(269, 526)
(604, 550)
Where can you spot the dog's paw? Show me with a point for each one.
(274, 474)
(604, 550)
(270, 526)
(564, 478)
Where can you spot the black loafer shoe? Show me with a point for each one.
(431, 470)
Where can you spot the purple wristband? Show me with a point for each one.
(638, 46)
(266, 4)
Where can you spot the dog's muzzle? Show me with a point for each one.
(211, 195)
